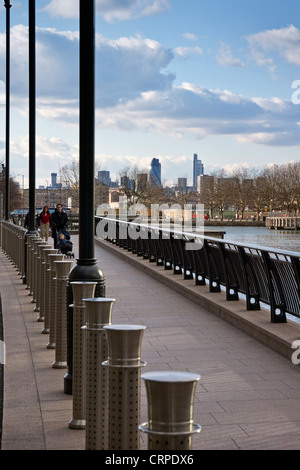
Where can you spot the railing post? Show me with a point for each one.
(81, 290)
(170, 397)
(40, 284)
(59, 310)
(46, 294)
(99, 311)
(125, 362)
(52, 294)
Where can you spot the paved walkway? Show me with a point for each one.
(247, 397)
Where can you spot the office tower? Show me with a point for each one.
(142, 179)
(54, 183)
(182, 183)
(104, 177)
(198, 169)
(53, 180)
(155, 172)
(126, 182)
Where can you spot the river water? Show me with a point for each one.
(287, 240)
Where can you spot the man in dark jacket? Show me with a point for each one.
(58, 221)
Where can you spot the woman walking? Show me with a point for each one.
(44, 222)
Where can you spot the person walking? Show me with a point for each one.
(58, 221)
(45, 222)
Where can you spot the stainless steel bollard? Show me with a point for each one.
(40, 283)
(38, 278)
(99, 312)
(33, 266)
(35, 269)
(29, 242)
(170, 397)
(81, 290)
(59, 311)
(52, 257)
(124, 360)
(46, 294)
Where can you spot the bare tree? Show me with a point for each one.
(242, 187)
(15, 196)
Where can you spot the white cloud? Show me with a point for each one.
(135, 91)
(110, 10)
(285, 42)
(125, 67)
(187, 52)
(190, 36)
(199, 112)
(225, 58)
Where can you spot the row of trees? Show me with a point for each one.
(275, 188)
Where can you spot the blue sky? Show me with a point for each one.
(173, 78)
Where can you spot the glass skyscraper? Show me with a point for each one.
(198, 169)
(155, 172)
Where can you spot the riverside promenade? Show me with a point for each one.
(247, 397)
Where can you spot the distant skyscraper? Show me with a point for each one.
(54, 183)
(155, 172)
(182, 184)
(104, 177)
(198, 169)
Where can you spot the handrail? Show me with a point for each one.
(263, 275)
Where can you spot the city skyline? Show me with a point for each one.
(219, 79)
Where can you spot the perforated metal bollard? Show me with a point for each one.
(170, 397)
(99, 312)
(52, 257)
(39, 279)
(41, 299)
(35, 269)
(29, 244)
(62, 269)
(46, 294)
(81, 290)
(125, 362)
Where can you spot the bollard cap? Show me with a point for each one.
(62, 268)
(98, 310)
(54, 257)
(124, 345)
(81, 290)
(171, 400)
(47, 252)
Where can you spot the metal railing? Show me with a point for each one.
(261, 275)
(105, 358)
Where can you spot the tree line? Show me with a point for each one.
(274, 188)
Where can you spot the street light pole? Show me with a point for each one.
(86, 268)
(32, 124)
(7, 143)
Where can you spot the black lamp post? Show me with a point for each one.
(7, 143)
(32, 112)
(86, 268)
(31, 229)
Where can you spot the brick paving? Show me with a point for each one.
(247, 397)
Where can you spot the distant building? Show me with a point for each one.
(155, 173)
(198, 169)
(202, 180)
(182, 184)
(104, 177)
(142, 180)
(54, 183)
(126, 182)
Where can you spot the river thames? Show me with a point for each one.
(287, 240)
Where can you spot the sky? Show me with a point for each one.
(173, 78)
